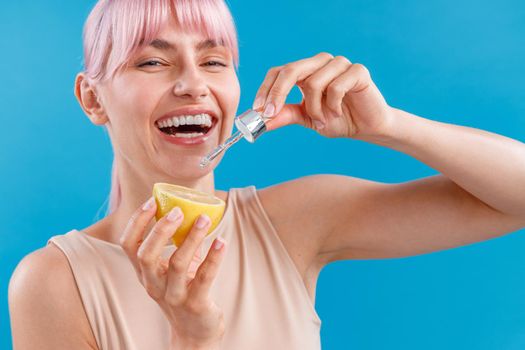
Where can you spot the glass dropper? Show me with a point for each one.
(250, 125)
(227, 144)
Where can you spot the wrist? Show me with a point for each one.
(397, 131)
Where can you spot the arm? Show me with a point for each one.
(479, 194)
(44, 304)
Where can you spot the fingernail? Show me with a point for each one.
(318, 125)
(149, 204)
(174, 214)
(218, 243)
(202, 221)
(269, 110)
(258, 103)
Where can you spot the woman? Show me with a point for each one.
(147, 63)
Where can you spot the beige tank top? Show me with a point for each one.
(258, 287)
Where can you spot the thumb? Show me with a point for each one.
(289, 114)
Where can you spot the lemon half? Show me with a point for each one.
(192, 203)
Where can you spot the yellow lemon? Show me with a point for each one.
(192, 203)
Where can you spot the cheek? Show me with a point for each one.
(132, 103)
(230, 94)
(228, 99)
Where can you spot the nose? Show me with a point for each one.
(190, 84)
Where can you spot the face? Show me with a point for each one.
(178, 76)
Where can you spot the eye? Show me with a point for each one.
(150, 63)
(215, 64)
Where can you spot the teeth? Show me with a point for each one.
(190, 135)
(199, 119)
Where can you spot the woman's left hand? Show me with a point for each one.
(339, 98)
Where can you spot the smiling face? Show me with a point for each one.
(177, 75)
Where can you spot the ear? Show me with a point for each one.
(89, 100)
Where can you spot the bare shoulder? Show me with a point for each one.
(315, 186)
(301, 210)
(45, 308)
(307, 197)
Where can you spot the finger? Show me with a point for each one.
(289, 114)
(262, 93)
(181, 260)
(200, 285)
(192, 269)
(288, 76)
(135, 230)
(355, 79)
(194, 265)
(314, 86)
(149, 252)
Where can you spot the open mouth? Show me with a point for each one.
(187, 126)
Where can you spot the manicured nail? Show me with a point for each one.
(218, 243)
(149, 204)
(269, 110)
(202, 221)
(258, 103)
(174, 214)
(318, 125)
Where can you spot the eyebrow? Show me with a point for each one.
(164, 45)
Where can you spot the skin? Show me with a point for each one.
(475, 197)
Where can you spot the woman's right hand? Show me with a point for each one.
(196, 321)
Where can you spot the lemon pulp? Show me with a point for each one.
(192, 203)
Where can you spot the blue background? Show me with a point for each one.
(454, 61)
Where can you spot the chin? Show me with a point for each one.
(187, 170)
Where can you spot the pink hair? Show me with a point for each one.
(116, 29)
